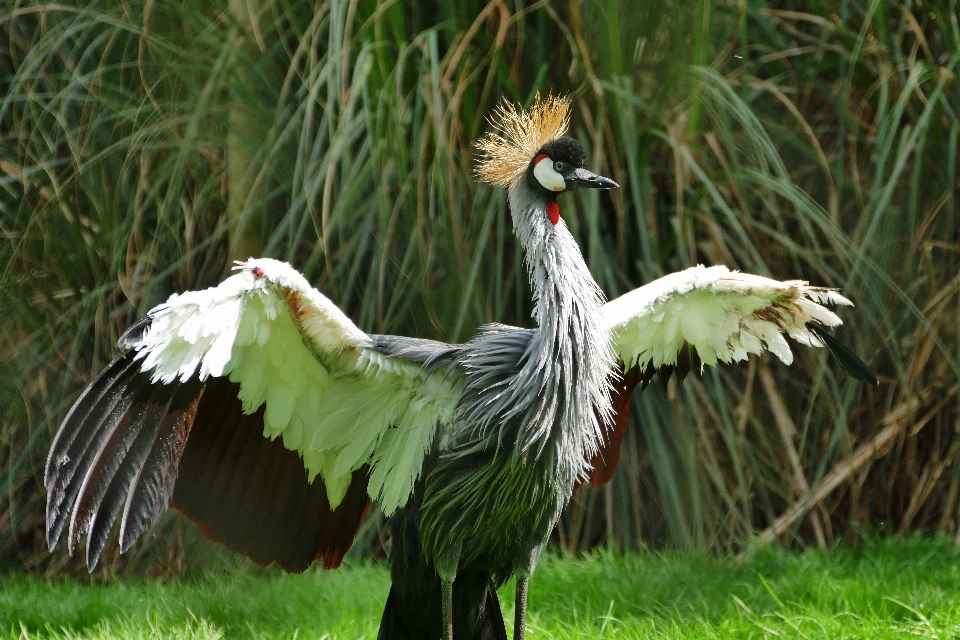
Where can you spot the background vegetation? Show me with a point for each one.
(145, 144)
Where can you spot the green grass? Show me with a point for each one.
(881, 589)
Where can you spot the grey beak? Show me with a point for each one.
(583, 179)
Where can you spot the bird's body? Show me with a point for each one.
(263, 413)
(504, 470)
(528, 403)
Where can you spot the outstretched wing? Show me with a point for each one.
(704, 316)
(259, 410)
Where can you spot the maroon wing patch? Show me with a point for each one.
(607, 459)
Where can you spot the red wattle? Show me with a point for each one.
(553, 211)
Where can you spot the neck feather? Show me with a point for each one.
(571, 357)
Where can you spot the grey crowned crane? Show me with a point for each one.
(259, 410)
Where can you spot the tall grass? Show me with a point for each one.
(143, 146)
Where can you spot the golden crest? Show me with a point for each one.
(518, 135)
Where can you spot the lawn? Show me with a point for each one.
(880, 589)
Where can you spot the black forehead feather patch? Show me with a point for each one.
(565, 149)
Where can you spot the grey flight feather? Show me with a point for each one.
(429, 353)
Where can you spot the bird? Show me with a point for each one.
(259, 410)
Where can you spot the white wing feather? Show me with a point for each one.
(336, 403)
(340, 405)
(723, 314)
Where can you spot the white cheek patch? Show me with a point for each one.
(545, 174)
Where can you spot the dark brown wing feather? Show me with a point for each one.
(131, 444)
(251, 494)
(338, 530)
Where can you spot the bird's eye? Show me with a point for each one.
(559, 167)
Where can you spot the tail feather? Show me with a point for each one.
(390, 626)
(474, 618)
(492, 627)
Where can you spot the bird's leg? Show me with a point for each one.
(520, 610)
(523, 573)
(446, 563)
(446, 610)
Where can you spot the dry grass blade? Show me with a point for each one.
(895, 423)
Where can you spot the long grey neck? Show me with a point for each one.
(571, 358)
